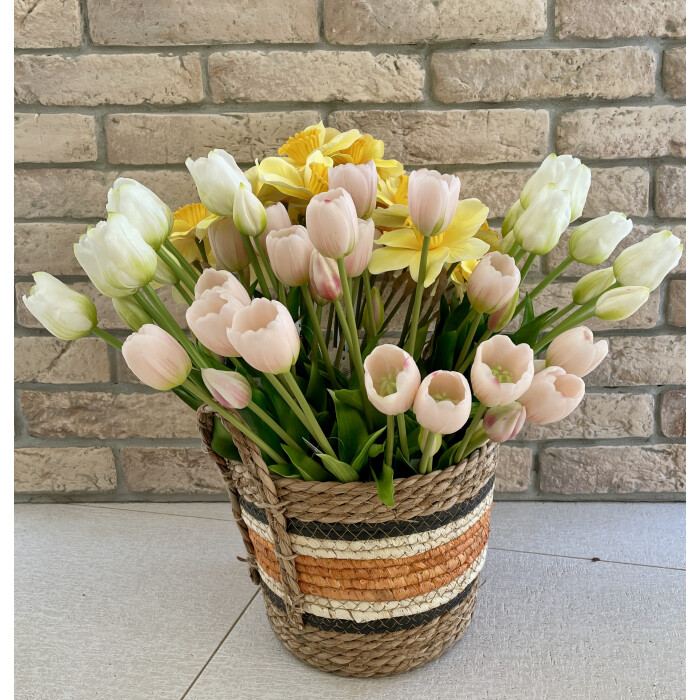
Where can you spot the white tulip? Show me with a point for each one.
(248, 213)
(648, 262)
(145, 211)
(217, 178)
(592, 284)
(115, 257)
(512, 216)
(540, 226)
(593, 242)
(65, 313)
(620, 303)
(130, 312)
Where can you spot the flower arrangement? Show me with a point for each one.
(293, 271)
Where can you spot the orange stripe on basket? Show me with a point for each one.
(381, 579)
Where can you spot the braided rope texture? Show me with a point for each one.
(352, 586)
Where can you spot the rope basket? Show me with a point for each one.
(352, 586)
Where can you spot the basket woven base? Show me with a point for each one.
(374, 655)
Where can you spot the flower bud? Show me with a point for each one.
(65, 313)
(324, 277)
(648, 262)
(432, 200)
(130, 312)
(391, 379)
(164, 275)
(331, 221)
(356, 262)
(230, 389)
(508, 242)
(156, 358)
(290, 251)
(553, 395)
(593, 242)
(115, 257)
(514, 213)
(620, 303)
(144, 210)
(575, 351)
(248, 212)
(443, 402)
(360, 181)
(539, 228)
(502, 423)
(500, 318)
(277, 218)
(423, 437)
(592, 284)
(377, 306)
(227, 245)
(493, 283)
(217, 178)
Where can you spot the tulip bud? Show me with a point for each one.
(290, 251)
(493, 283)
(248, 212)
(553, 395)
(277, 218)
(356, 262)
(164, 275)
(575, 351)
(230, 389)
(576, 181)
(508, 242)
(514, 213)
(65, 313)
(156, 358)
(391, 379)
(620, 303)
(217, 178)
(443, 402)
(360, 181)
(331, 221)
(130, 312)
(500, 318)
(432, 200)
(377, 306)
(423, 437)
(324, 277)
(115, 257)
(539, 228)
(227, 245)
(593, 242)
(648, 262)
(145, 211)
(592, 284)
(502, 423)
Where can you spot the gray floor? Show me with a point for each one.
(135, 601)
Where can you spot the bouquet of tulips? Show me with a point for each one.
(293, 271)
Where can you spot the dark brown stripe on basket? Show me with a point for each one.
(374, 531)
(387, 624)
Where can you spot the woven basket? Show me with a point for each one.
(354, 587)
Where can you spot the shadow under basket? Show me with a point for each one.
(352, 586)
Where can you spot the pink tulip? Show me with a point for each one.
(391, 379)
(502, 423)
(576, 352)
(331, 220)
(502, 371)
(432, 200)
(443, 402)
(230, 389)
(493, 283)
(277, 218)
(357, 261)
(211, 278)
(210, 317)
(227, 245)
(360, 181)
(500, 318)
(290, 251)
(265, 335)
(324, 278)
(156, 358)
(552, 395)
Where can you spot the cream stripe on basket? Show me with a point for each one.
(385, 548)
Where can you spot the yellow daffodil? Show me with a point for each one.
(393, 190)
(184, 233)
(460, 275)
(366, 148)
(402, 246)
(316, 137)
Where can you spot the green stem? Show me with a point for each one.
(170, 247)
(256, 266)
(329, 325)
(484, 336)
(584, 313)
(546, 281)
(389, 450)
(202, 249)
(265, 418)
(184, 293)
(107, 337)
(470, 336)
(518, 255)
(371, 321)
(459, 452)
(418, 299)
(526, 266)
(562, 312)
(403, 439)
(313, 425)
(318, 333)
(176, 269)
(426, 459)
(268, 268)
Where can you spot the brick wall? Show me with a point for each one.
(481, 88)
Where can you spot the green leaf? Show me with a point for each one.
(222, 442)
(340, 470)
(308, 468)
(361, 456)
(376, 450)
(447, 457)
(444, 355)
(284, 415)
(352, 429)
(352, 397)
(530, 331)
(316, 392)
(385, 485)
(286, 470)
